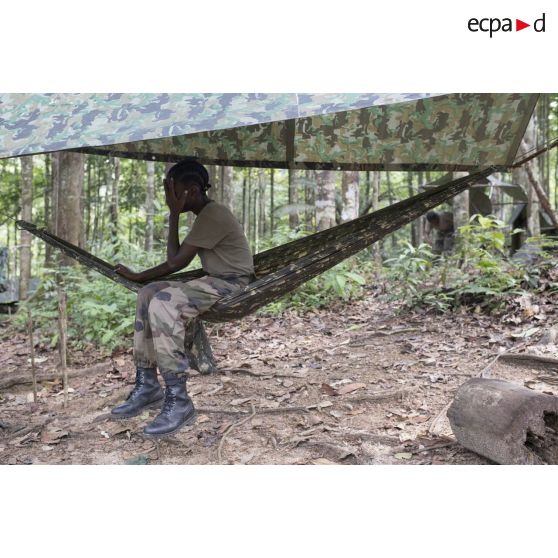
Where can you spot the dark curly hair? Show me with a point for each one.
(190, 170)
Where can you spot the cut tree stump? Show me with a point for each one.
(505, 422)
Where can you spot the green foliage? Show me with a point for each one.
(478, 272)
(409, 272)
(344, 282)
(100, 312)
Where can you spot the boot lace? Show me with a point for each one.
(140, 380)
(170, 402)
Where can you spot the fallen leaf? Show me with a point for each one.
(240, 401)
(323, 404)
(247, 457)
(117, 428)
(314, 420)
(349, 388)
(203, 418)
(323, 461)
(29, 437)
(53, 435)
(403, 455)
(38, 360)
(327, 389)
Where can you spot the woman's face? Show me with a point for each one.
(193, 196)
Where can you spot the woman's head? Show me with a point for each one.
(192, 176)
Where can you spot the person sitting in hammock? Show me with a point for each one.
(164, 308)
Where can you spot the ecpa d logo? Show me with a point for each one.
(493, 25)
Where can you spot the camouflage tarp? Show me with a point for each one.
(331, 131)
(38, 123)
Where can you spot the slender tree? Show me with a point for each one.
(69, 220)
(460, 204)
(272, 201)
(293, 200)
(349, 195)
(227, 187)
(26, 215)
(325, 200)
(261, 198)
(521, 176)
(375, 183)
(309, 199)
(149, 206)
(113, 207)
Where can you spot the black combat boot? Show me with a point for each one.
(146, 394)
(178, 409)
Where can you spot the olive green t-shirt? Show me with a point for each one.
(223, 248)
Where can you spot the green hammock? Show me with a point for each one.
(284, 268)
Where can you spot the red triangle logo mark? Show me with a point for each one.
(519, 25)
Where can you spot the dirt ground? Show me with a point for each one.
(354, 384)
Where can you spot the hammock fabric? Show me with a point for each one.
(282, 269)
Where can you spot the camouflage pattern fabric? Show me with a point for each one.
(449, 132)
(39, 123)
(282, 269)
(443, 242)
(163, 310)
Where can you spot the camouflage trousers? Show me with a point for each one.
(443, 243)
(163, 310)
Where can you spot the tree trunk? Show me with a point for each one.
(212, 171)
(413, 224)
(390, 198)
(293, 200)
(86, 205)
(376, 247)
(350, 194)
(419, 223)
(325, 200)
(255, 215)
(261, 195)
(248, 221)
(506, 422)
(244, 180)
(460, 205)
(521, 176)
(310, 199)
(113, 208)
(48, 205)
(70, 185)
(149, 206)
(227, 187)
(497, 198)
(26, 215)
(272, 202)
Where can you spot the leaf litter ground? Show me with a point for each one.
(359, 383)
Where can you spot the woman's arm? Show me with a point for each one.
(185, 255)
(173, 243)
(152, 273)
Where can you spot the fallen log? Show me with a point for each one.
(505, 422)
(23, 379)
(521, 359)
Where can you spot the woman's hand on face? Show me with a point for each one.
(127, 273)
(175, 203)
